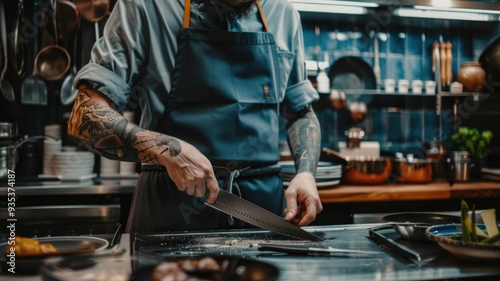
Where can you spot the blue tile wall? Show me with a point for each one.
(404, 53)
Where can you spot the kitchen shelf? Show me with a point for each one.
(465, 94)
(410, 94)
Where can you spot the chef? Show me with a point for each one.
(213, 79)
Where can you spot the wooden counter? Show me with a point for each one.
(402, 192)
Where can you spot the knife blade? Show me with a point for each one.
(248, 212)
(306, 250)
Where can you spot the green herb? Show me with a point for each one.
(466, 229)
(472, 140)
(472, 233)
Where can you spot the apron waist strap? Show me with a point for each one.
(248, 172)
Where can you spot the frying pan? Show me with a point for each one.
(490, 61)
(352, 73)
(413, 225)
(237, 269)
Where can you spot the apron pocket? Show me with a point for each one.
(285, 61)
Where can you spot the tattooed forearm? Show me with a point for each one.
(149, 143)
(304, 136)
(100, 128)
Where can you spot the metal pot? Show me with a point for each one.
(6, 161)
(414, 170)
(8, 133)
(413, 225)
(361, 169)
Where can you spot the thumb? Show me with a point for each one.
(291, 207)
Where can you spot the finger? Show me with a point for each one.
(309, 215)
(190, 189)
(213, 190)
(200, 189)
(291, 205)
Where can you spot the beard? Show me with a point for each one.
(244, 9)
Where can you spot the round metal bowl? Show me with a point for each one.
(367, 170)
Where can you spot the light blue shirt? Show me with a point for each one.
(132, 63)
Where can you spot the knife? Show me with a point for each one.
(250, 213)
(306, 250)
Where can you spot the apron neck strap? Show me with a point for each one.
(187, 14)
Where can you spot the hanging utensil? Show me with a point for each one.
(68, 20)
(449, 59)
(5, 86)
(19, 45)
(67, 96)
(376, 60)
(93, 10)
(53, 61)
(33, 88)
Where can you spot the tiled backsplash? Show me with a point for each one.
(405, 53)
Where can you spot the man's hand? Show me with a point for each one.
(191, 172)
(302, 200)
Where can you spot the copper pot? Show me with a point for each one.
(414, 170)
(472, 76)
(361, 169)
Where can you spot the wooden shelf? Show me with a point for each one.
(401, 192)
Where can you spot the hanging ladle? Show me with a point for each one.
(53, 61)
(5, 86)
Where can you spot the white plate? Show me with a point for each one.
(320, 185)
(465, 250)
(288, 167)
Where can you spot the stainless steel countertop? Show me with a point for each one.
(88, 187)
(385, 265)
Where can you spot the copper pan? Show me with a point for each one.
(93, 10)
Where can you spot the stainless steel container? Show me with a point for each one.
(5, 161)
(8, 129)
(463, 163)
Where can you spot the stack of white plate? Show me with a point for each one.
(53, 130)
(109, 167)
(327, 174)
(127, 168)
(50, 147)
(73, 163)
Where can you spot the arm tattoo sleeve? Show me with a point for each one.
(104, 131)
(304, 137)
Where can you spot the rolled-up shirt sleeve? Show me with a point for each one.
(119, 56)
(299, 93)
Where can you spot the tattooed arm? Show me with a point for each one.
(304, 137)
(96, 125)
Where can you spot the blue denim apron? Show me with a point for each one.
(224, 101)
